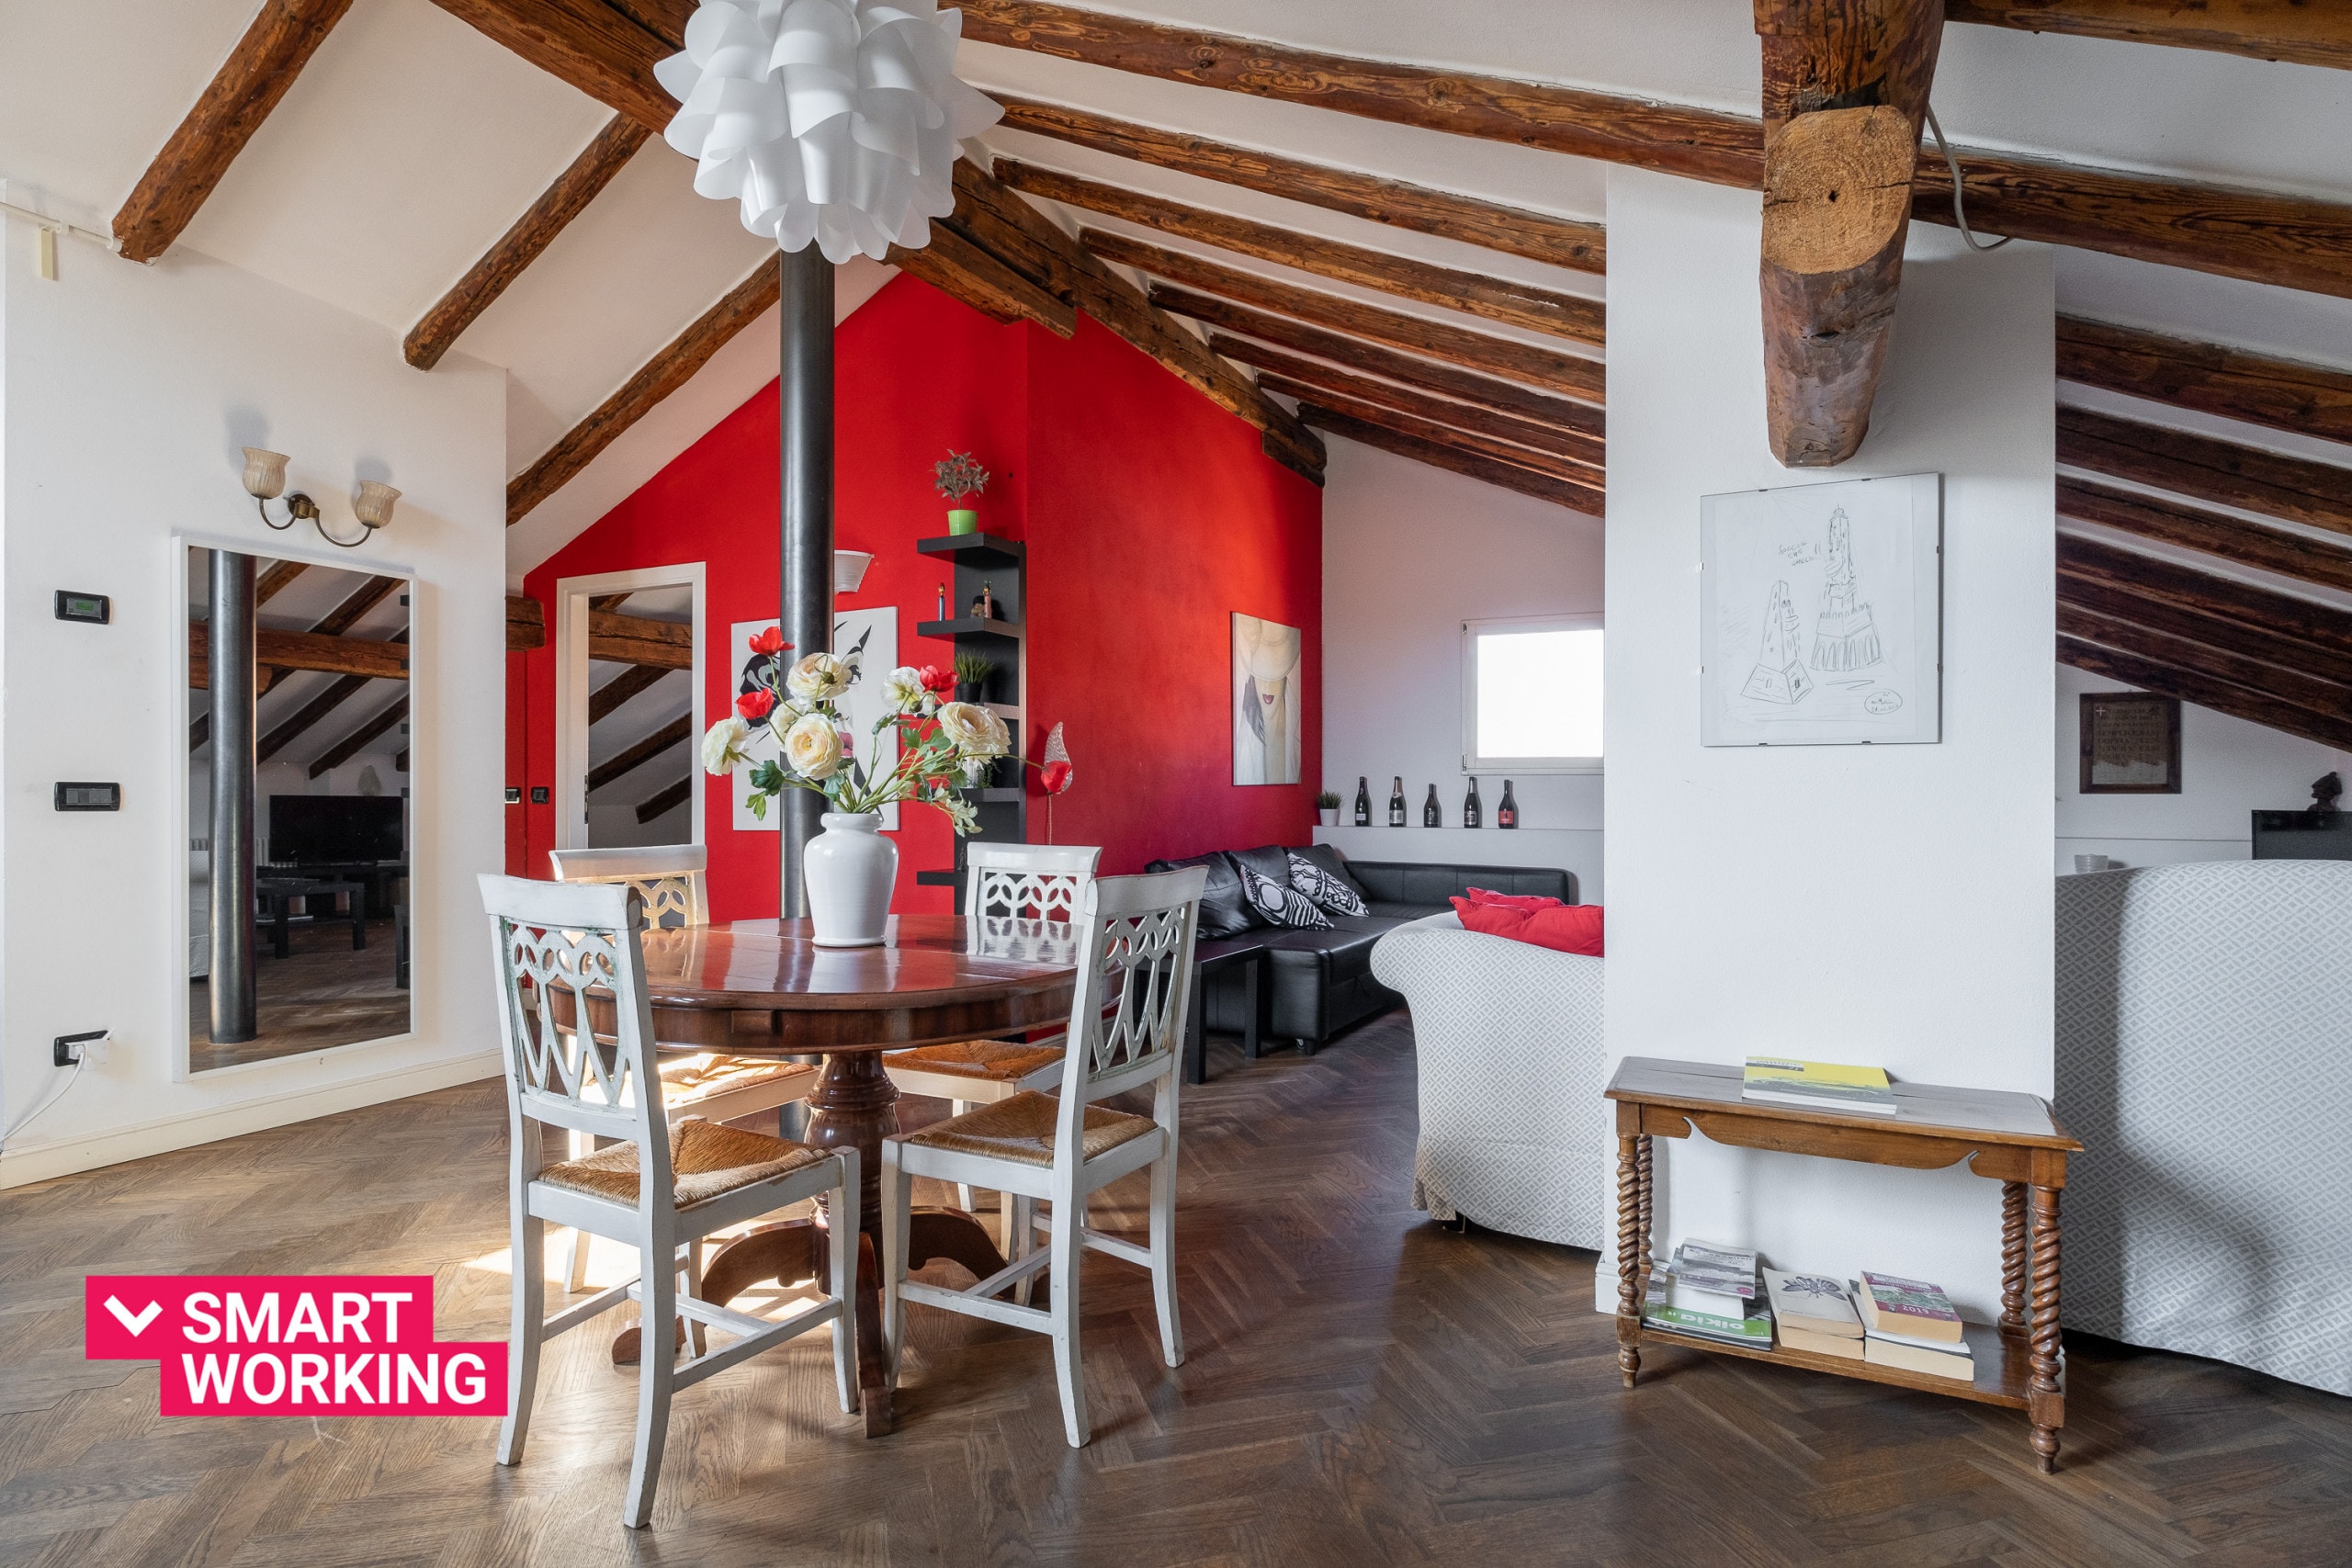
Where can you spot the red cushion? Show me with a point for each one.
(1563, 927)
(1527, 901)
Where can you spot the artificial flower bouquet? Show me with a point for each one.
(937, 739)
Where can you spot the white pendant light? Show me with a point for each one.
(831, 120)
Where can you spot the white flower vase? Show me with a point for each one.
(850, 869)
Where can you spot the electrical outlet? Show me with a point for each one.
(89, 1049)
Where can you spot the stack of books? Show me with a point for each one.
(1817, 1086)
(1910, 1324)
(1709, 1292)
(1814, 1314)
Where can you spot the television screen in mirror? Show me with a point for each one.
(299, 809)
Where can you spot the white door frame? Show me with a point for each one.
(572, 684)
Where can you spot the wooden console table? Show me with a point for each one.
(2011, 1138)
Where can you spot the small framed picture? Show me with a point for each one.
(2130, 743)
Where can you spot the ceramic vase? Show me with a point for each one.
(963, 520)
(850, 869)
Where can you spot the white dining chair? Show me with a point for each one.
(1135, 957)
(670, 879)
(655, 1187)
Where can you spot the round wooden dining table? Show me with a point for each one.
(764, 988)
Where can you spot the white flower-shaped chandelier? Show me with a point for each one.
(831, 120)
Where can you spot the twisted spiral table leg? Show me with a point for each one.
(1642, 1165)
(2013, 1257)
(1629, 1262)
(2048, 1401)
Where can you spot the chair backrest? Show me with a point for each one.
(1028, 881)
(1135, 983)
(549, 938)
(669, 877)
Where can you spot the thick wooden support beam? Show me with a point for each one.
(634, 639)
(1311, 380)
(1455, 459)
(351, 745)
(1546, 369)
(1498, 299)
(598, 48)
(957, 268)
(2290, 241)
(656, 379)
(1845, 91)
(277, 580)
(2216, 598)
(2284, 394)
(2205, 690)
(277, 43)
(2222, 472)
(2195, 620)
(630, 681)
(1426, 375)
(637, 756)
(520, 245)
(333, 697)
(669, 800)
(304, 651)
(526, 623)
(2297, 30)
(1518, 231)
(1431, 424)
(2290, 670)
(2288, 554)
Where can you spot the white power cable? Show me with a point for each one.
(26, 1120)
(1959, 210)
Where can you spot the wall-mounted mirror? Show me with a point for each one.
(299, 809)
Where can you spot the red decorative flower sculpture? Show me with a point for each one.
(1054, 776)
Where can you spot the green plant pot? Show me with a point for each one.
(963, 520)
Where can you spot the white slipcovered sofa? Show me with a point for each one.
(1514, 1133)
(2204, 1057)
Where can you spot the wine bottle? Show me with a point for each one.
(1363, 803)
(1470, 812)
(1433, 814)
(1396, 803)
(1507, 814)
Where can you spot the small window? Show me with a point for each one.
(1532, 695)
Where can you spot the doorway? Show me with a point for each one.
(628, 709)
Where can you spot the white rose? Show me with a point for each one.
(902, 689)
(817, 677)
(723, 746)
(975, 731)
(812, 748)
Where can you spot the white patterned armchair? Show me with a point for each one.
(1514, 1131)
(2204, 1057)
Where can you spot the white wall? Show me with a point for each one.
(2229, 769)
(1889, 904)
(1409, 553)
(128, 391)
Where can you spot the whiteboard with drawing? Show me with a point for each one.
(1821, 614)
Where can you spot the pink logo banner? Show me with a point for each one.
(292, 1344)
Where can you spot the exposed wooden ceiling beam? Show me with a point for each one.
(1426, 375)
(634, 639)
(280, 575)
(526, 623)
(669, 800)
(609, 696)
(2205, 690)
(2297, 30)
(2218, 660)
(1454, 460)
(598, 48)
(1497, 299)
(1837, 207)
(366, 597)
(628, 760)
(2199, 466)
(304, 651)
(1544, 368)
(278, 737)
(957, 268)
(520, 245)
(1518, 231)
(2155, 611)
(1311, 380)
(2284, 394)
(2217, 599)
(351, 745)
(1406, 421)
(277, 44)
(2269, 238)
(2292, 555)
(606, 600)
(654, 380)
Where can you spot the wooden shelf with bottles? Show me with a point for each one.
(997, 566)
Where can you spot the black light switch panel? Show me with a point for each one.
(89, 797)
(96, 609)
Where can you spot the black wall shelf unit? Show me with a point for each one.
(1000, 565)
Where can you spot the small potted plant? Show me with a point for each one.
(1327, 808)
(960, 476)
(972, 675)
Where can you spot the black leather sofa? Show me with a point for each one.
(1259, 980)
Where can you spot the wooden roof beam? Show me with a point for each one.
(1499, 299)
(2219, 601)
(2298, 556)
(277, 44)
(2220, 473)
(637, 678)
(304, 651)
(351, 745)
(1456, 459)
(2136, 668)
(667, 801)
(1408, 421)
(1311, 380)
(2284, 394)
(2264, 29)
(278, 737)
(631, 758)
(598, 48)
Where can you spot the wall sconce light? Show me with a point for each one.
(265, 482)
(849, 570)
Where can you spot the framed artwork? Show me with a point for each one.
(1821, 614)
(2130, 743)
(1268, 709)
(868, 639)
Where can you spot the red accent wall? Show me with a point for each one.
(1150, 514)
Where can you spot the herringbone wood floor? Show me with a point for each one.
(1362, 1387)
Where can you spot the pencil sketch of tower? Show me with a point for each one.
(1843, 638)
(1778, 675)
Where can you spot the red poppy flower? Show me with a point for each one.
(937, 682)
(1054, 776)
(770, 642)
(756, 706)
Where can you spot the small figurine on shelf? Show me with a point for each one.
(960, 476)
(984, 603)
(942, 601)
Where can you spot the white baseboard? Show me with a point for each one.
(67, 1156)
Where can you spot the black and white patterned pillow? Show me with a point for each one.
(1280, 906)
(1324, 889)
